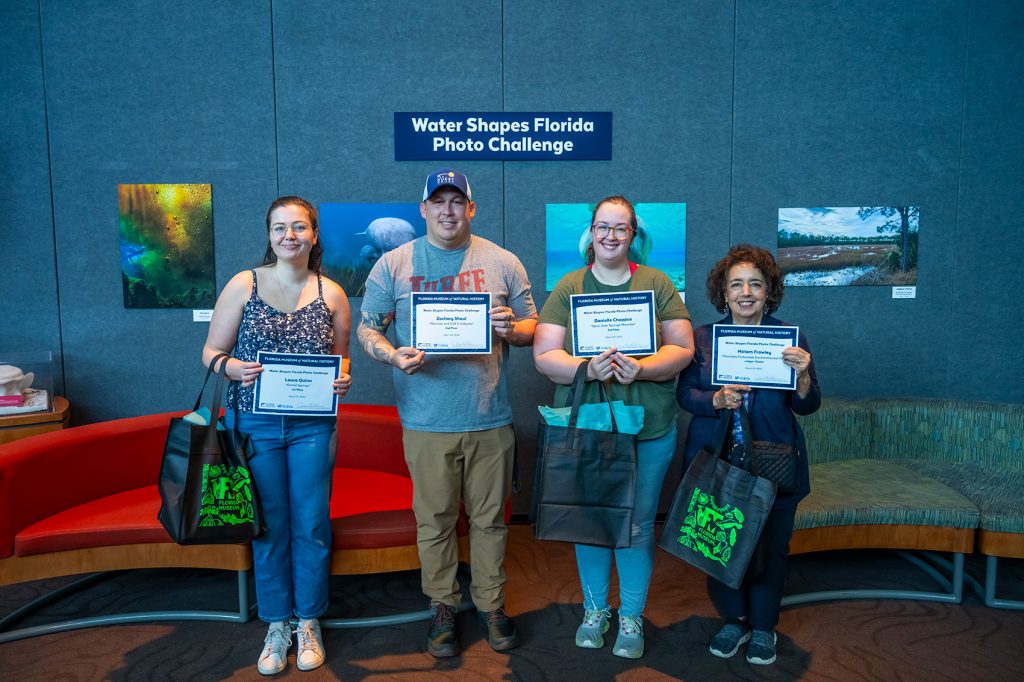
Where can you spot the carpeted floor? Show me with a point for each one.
(852, 640)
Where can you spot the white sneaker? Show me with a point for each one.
(274, 657)
(311, 645)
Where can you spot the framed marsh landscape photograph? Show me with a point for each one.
(848, 246)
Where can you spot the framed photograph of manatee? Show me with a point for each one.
(166, 240)
(849, 246)
(660, 241)
(354, 236)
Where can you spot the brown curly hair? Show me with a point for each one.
(761, 259)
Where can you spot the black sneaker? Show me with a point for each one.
(727, 642)
(761, 650)
(442, 638)
(498, 628)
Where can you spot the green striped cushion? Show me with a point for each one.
(870, 491)
(998, 493)
(840, 429)
(949, 431)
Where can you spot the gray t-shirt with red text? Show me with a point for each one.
(450, 393)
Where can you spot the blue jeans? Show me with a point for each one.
(635, 563)
(292, 467)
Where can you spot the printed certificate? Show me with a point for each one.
(623, 320)
(451, 322)
(752, 355)
(296, 384)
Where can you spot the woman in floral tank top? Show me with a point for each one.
(286, 306)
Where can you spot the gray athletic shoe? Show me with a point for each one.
(630, 642)
(590, 635)
(727, 642)
(761, 650)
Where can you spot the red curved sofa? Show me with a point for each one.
(85, 500)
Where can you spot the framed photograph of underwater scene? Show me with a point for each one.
(354, 236)
(166, 243)
(660, 241)
(849, 246)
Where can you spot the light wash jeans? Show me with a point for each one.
(292, 467)
(634, 563)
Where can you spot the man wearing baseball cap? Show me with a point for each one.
(455, 410)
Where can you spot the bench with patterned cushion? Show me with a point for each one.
(938, 475)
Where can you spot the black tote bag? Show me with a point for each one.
(206, 491)
(585, 484)
(717, 516)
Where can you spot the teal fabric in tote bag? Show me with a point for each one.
(597, 416)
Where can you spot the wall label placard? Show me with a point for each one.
(505, 136)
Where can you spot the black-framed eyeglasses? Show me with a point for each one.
(618, 231)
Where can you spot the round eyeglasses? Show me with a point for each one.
(298, 228)
(617, 231)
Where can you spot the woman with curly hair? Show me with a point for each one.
(746, 285)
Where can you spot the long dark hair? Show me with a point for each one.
(316, 254)
(761, 259)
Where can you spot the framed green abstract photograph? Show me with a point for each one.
(166, 239)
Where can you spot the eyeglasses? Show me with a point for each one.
(298, 228)
(618, 231)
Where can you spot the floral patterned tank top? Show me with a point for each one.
(310, 329)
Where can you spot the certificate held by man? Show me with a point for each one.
(623, 321)
(752, 355)
(296, 385)
(451, 322)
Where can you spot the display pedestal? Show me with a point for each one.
(15, 426)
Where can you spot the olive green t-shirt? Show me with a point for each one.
(658, 398)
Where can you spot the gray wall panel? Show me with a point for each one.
(152, 93)
(668, 81)
(28, 276)
(986, 273)
(342, 70)
(849, 104)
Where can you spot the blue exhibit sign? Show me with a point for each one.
(503, 136)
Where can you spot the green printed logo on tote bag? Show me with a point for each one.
(709, 529)
(226, 496)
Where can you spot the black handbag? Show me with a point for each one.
(775, 461)
(717, 516)
(206, 491)
(585, 483)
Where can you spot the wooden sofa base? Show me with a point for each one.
(122, 557)
(877, 536)
(383, 559)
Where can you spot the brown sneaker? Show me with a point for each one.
(498, 628)
(442, 637)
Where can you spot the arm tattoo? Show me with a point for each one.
(371, 337)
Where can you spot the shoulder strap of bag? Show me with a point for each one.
(575, 396)
(748, 435)
(210, 443)
(209, 371)
(726, 429)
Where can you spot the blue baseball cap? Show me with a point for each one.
(446, 177)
